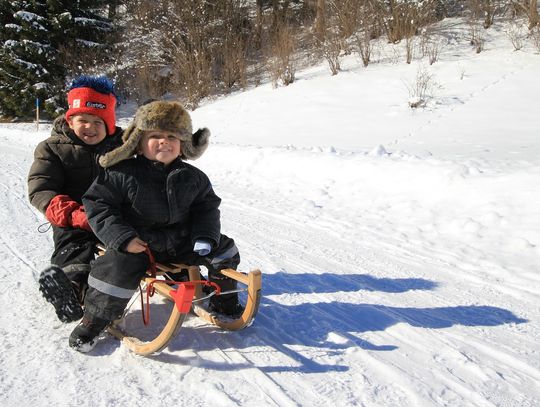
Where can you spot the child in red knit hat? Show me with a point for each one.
(65, 164)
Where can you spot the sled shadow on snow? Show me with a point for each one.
(318, 328)
(324, 329)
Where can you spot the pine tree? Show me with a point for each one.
(24, 57)
(45, 43)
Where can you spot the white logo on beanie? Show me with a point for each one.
(96, 105)
(76, 103)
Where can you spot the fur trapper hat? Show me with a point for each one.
(164, 116)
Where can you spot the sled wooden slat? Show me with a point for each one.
(240, 277)
(164, 289)
(158, 343)
(254, 282)
(194, 275)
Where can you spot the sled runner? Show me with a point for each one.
(189, 296)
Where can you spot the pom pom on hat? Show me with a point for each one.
(93, 95)
(164, 116)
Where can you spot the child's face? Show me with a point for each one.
(88, 127)
(161, 146)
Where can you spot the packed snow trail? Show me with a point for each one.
(370, 296)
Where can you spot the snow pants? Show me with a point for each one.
(116, 275)
(74, 249)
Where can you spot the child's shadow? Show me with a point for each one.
(283, 282)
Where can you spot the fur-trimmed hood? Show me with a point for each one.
(164, 116)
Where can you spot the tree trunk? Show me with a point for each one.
(320, 20)
(259, 24)
(534, 19)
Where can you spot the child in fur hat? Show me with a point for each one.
(65, 164)
(149, 199)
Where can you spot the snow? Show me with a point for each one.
(29, 65)
(32, 18)
(40, 85)
(13, 27)
(28, 16)
(94, 23)
(90, 44)
(400, 248)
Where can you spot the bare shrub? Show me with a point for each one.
(395, 54)
(281, 61)
(434, 49)
(365, 48)
(368, 29)
(489, 12)
(535, 37)
(194, 75)
(233, 63)
(477, 38)
(516, 35)
(331, 50)
(421, 88)
(345, 16)
(401, 23)
(431, 45)
(486, 10)
(229, 41)
(167, 49)
(402, 19)
(409, 49)
(147, 82)
(140, 58)
(425, 38)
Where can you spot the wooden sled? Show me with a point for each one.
(187, 297)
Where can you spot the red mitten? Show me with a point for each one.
(59, 210)
(79, 219)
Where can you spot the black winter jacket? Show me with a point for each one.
(167, 207)
(65, 165)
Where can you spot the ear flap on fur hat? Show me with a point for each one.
(164, 116)
(196, 145)
(131, 138)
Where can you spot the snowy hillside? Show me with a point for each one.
(400, 248)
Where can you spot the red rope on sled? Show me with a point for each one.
(152, 269)
(150, 290)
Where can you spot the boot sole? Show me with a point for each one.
(58, 290)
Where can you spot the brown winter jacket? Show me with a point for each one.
(64, 164)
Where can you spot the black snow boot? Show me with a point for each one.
(78, 275)
(57, 289)
(84, 337)
(226, 304)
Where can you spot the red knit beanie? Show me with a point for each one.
(88, 100)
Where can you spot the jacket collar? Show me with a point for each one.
(160, 167)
